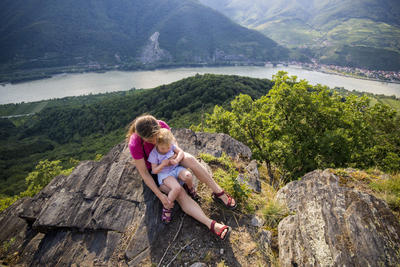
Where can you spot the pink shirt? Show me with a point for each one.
(135, 145)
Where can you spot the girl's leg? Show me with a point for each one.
(175, 187)
(186, 177)
(201, 173)
(190, 207)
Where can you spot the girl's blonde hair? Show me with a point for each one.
(165, 137)
(146, 126)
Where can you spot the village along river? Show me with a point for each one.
(85, 83)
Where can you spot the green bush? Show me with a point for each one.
(226, 176)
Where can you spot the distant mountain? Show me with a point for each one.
(44, 33)
(344, 32)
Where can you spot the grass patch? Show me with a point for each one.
(383, 186)
(388, 188)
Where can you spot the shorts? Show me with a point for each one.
(174, 173)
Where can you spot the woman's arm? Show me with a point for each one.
(148, 180)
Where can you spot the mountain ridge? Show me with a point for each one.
(325, 29)
(47, 34)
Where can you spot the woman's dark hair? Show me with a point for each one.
(146, 126)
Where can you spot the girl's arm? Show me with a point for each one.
(148, 180)
(156, 168)
(179, 155)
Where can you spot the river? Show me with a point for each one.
(85, 83)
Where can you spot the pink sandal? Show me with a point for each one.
(166, 215)
(212, 229)
(216, 198)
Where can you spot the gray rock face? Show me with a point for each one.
(252, 179)
(152, 51)
(335, 225)
(210, 143)
(101, 214)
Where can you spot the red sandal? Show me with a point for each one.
(166, 215)
(216, 198)
(212, 229)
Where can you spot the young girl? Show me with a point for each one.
(164, 159)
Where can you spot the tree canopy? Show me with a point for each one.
(297, 128)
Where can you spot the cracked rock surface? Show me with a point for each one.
(333, 225)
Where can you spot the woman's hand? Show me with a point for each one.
(166, 202)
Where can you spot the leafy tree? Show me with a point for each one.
(298, 128)
(44, 172)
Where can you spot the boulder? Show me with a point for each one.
(334, 225)
(211, 143)
(101, 214)
(252, 177)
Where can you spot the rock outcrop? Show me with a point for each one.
(152, 52)
(210, 143)
(334, 225)
(101, 214)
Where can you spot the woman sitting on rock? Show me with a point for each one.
(142, 136)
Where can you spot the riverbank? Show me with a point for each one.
(45, 73)
(358, 76)
(356, 73)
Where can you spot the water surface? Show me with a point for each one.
(85, 83)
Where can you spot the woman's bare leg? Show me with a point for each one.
(190, 207)
(201, 173)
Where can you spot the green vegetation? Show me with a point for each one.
(383, 186)
(264, 204)
(226, 177)
(72, 101)
(389, 189)
(360, 56)
(8, 244)
(297, 128)
(81, 127)
(44, 172)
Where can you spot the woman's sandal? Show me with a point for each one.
(216, 198)
(166, 215)
(191, 192)
(227, 232)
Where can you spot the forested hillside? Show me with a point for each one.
(94, 33)
(89, 126)
(350, 33)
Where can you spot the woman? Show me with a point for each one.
(142, 136)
